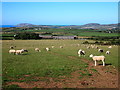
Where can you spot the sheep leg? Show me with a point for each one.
(103, 63)
(95, 63)
(79, 55)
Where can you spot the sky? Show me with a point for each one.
(60, 0)
(59, 13)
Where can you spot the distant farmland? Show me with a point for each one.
(78, 32)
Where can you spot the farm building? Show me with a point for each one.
(65, 37)
(46, 36)
(57, 37)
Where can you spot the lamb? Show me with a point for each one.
(81, 52)
(98, 58)
(37, 49)
(100, 50)
(20, 51)
(12, 51)
(107, 52)
(47, 49)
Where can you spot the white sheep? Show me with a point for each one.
(12, 51)
(88, 47)
(61, 46)
(98, 58)
(48, 49)
(78, 45)
(11, 47)
(81, 52)
(96, 47)
(20, 51)
(37, 49)
(100, 50)
(107, 52)
(110, 47)
(53, 46)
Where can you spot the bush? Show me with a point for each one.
(26, 35)
(96, 42)
(86, 42)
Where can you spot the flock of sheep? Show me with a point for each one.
(80, 52)
(95, 58)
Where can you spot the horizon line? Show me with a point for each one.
(61, 24)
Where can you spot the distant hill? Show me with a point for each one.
(92, 24)
(25, 25)
(86, 26)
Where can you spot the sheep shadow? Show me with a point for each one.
(25, 54)
(106, 64)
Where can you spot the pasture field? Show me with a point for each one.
(79, 32)
(59, 67)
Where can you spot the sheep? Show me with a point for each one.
(53, 46)
(11, 47)
(88, 47)
(12, 51)
(47, 49)
(101, 50)
(37, 49)
(98, 58)
(110, 47)
(97, 47)
(78, 45)
(61, 46)
(81, 52)
(107, 52)
(20, 51)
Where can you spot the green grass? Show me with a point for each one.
(79, 32)
(97, 34)
(55, 63)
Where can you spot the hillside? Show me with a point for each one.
(86, 26)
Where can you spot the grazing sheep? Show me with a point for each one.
(47, 49)
(37, 49)
(110, 47)
(20, 51)
(11, 47)
(98, 58)
(53, 46)
(88, 47)
(78, 45)
(61, 46)
(81, 52)
(107, 52)
(101, 50)
(12, 51)
(97, 47)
